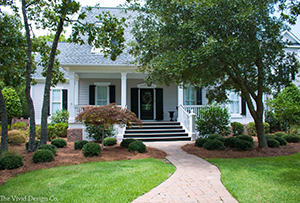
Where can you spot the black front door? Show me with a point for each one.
(147, 104)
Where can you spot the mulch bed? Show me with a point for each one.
(290, 149)
(69, 156)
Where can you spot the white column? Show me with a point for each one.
(76, 90)
(123, 89)
(192, 132)
(72, 97)
(180, 102)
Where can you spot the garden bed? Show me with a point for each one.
(69, 156)
(289, 149)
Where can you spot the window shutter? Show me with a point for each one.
(65, 99)
(134, 101)
(199, 96)
(244, 107)
(112, 94)
(159, 104)
(92, 95)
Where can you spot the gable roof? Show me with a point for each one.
(292, 39)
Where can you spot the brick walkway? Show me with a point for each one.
(195, 180)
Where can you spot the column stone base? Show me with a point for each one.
(74, 134)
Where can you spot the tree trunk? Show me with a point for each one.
(260, 130)
(45, 109)
(102, 142)
(4, 124)
(32, 133)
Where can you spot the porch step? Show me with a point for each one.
(157, 131)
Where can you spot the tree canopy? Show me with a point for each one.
(223, 45)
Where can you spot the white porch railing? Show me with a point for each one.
(194, 108)
(187, 120)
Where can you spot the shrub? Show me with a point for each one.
(246, 138)
(216, 137)
(279, 134)
(10, 160)
(42, 155)
(268, 136)
(237, 128)
(60, 116)
(292, 138)
(243, 145)
(214, 145)
(212, 119)
(79, 144)
(230, 142)
(59, 143)
(137, 146)
(51, 133)
(20, 126)
(201, 141)
(12, 103)
(96, 132)
(16, 137)
(36, 144)
(272, 143)
(274, 122)
(91, 149)
(110, 141)
(61, 129)
(281, 141)
(126, 142)
(251, 129)
(51, 147)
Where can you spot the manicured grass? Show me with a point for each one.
(117, 181)
(264, 180)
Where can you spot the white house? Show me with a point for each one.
(95, 80)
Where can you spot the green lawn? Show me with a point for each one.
(263, 180)
(117, 181)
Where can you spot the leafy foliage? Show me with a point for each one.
(36, 144)
(127, 142)
(10, 160)
(42, 155)
(16, 137)
(19, 126)
(12, 102)
(243, 145)
(292, 138)
(91, 149)
(79, 144)
(60, 116)
(272, 143)
(200, 141)
(110, 141)
(61, 129)
(252, 130)
(281, 141)
(214, 145)
(216, 137)
(137, 146)
(230, 142)
(237, 128)
(245, 137)
(50, 147)
(98, 132)
(59, 143)
(212, 119)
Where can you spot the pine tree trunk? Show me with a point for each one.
(4, 123)
(45, 109)
(32, 133)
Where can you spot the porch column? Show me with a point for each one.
(180, 102)
(123, 89)
(72, 97)
(76, 90)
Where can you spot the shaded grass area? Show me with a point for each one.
(264, 180)
(116, 181)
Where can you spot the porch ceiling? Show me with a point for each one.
(111, 75)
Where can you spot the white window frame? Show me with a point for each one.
(239, 114)
(184, 96)
(51, 99)
(101, 84)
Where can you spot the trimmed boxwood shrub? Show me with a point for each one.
(230, 142)
(50, 147)
(91, 149)
(10, 160)
(216, 137)
(110, 141)
(137, 146)
(61, 129)
(42, 155)
(79, 144)
(281, 141)
(59, 143)
(272, 143)
(126, 142)
(214, 145)
(36, 144)
(201, 141)
(237, 128)
(16, 137)
(19, 126)
(280, 134)
(243, 145)
(292, 138)
(245, 137)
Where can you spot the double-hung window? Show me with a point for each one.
(189, 96)
(58, 100)
(234, 104)
(102, 93)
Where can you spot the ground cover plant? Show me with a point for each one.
(264, 180)
(117, 181)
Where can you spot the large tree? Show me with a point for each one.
(12, 59)
(223, 45)
(54, 16)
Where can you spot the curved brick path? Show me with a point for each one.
(195, 180)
